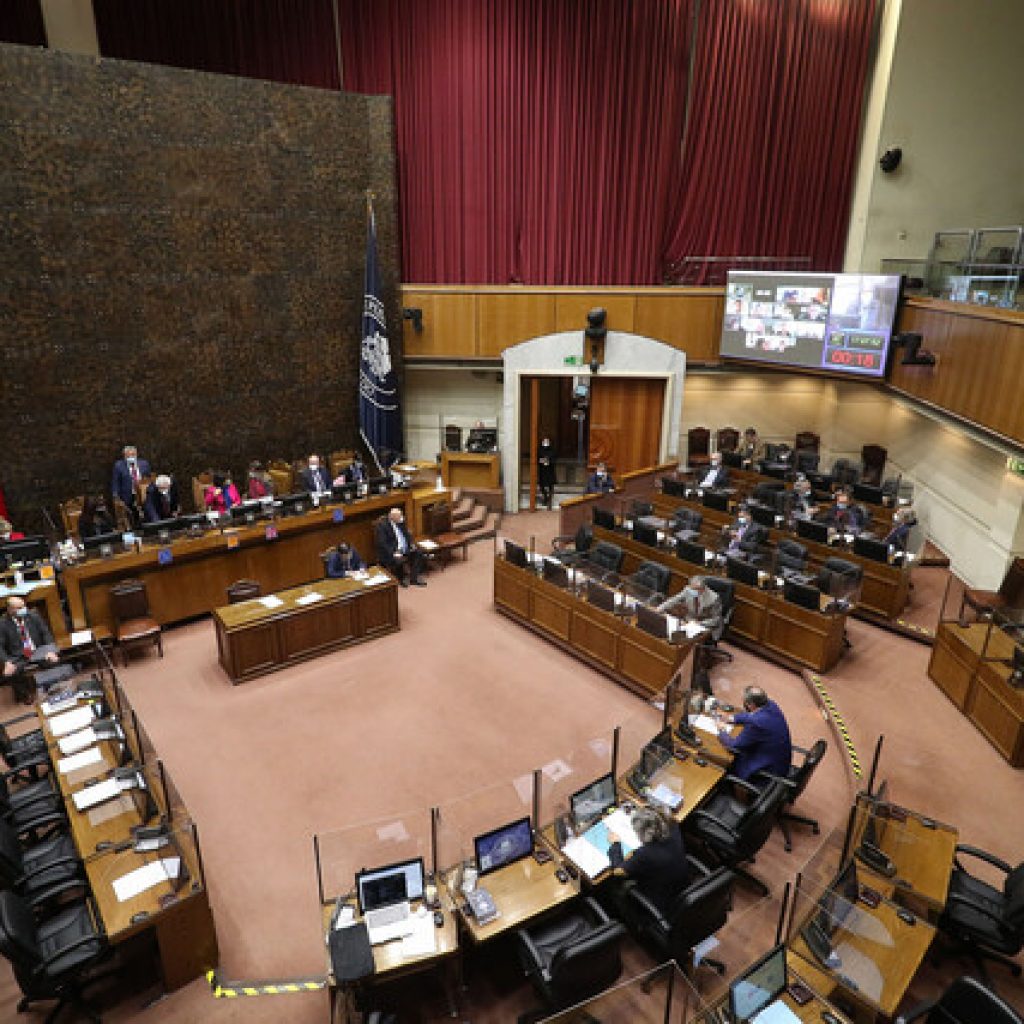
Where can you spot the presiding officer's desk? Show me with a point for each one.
(253, 639)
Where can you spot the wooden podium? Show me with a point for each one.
(469, 469)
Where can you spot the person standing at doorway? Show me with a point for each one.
(546, 471)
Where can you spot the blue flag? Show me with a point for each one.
(380, 415)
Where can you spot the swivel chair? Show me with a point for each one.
(25, 755)
(797, 779)
(790, 555)
(40, 873)
(652, 576)
(873, 458)
(34, 810)
(727, 439)
(844, 473)
(966, 1001)
(244, 590)
(726, 591)
(839, 574)
(1009, 595)
(605, 556)
(687, 523)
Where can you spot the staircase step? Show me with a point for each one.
(456, 496)
(473, 521)
(463, 509)
(487, 530)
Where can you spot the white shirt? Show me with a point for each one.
(709, 477)
(400, 537)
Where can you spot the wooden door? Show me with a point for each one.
(625, 422)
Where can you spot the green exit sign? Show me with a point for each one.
(571, 361)
(1015, 465)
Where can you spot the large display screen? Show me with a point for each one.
(840, 323)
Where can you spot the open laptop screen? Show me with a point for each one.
(392, 884)
(759, 986)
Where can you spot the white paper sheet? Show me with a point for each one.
(271, 601)
(621, 824)
(375, 581)
(706, 723)
(428, 545)
(422, 941)
(665, 795)
(71, 721)
(93, 795)
(56, 706)
(82, 760)
(76, 741)
(310, 598)
(587, 857)
(81, 636)
(128, 886)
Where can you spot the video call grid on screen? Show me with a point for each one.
(840, 323)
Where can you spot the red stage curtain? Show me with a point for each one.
(773, 131)
(537, 140)
(21, 21)
(291, 41)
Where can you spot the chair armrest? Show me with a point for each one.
(716, 822)
(977, 908)
(771, 777)
(597, 911)
(44, 966)
(698, 866)
(800, 750)
(529, 953)
(991, 858)
(743, 784)
(561, 539)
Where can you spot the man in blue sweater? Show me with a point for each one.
(763, 744)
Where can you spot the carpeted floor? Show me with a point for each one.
(461, 697)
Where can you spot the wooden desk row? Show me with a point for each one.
(762, 617)
(605, 641)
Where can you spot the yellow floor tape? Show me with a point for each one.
(232, 990)
(826, 699)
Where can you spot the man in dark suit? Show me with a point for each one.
(356, 473)
(24, 637)
(344, 559)
(844, 516)
(746, 538)
(716, 475)
(764, 743)
(128, 471)
(314, 478)
(600, 481)
(397, 551)
(161, 500)
(902, 523)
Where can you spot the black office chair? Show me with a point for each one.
(25, 756)
(966, 1001)
(572, 957)
(52, 959)
(765, 493)
(581, 542)
(985, 921)
(806, 461)
(34, 810)
(41, 873)
(790, 555)
(697, 913)
(844, 473)
(797, 778)
(687, 523)
(605, 556)
(652, 576)
(849, 576)
(725, 588)
(641, 508)
(734, 831)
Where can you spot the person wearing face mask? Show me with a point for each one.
(803, 498)
(546, 471)
(746, 538)
(844, 516)
(129, 471)
(344, 560)
(397, 551)
(222, 494)
(697, 602)
(355, 474)
(161, 500)
(24, 637)
(95, 518)
(716, 475)
(314, 479)
(600, 481)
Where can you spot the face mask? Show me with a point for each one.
(164, 492)
(744, 522)
(21, 613)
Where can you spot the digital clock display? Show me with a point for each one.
(853, 359)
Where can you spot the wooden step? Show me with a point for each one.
(485, 531)
(475, 520)
(462, 510)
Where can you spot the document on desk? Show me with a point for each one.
(663, 794)
(375, 581)
(428, 545)
(110, 809)
(58, 704)
(421, 941)
(71, 721)
(76, 741)
(271, 601)
(65, 765)
(93, 795)
(587, 857)
(705, 723)
(311, 598)
(138, 881)
(81, 636)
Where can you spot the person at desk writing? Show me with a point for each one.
(716, 476)
(314, 479)
(344, 560)
(764, 743)
(95, 518)
(161, 500)
(746, 538)
(260, 483)
(221, 495)
(844, 516)
(397, 551)
(128, 474)
(658, 867)
(600, 481)
(697, 602)
(903, 521)
(23, 634)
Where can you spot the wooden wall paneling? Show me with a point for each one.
(507, 318)
(690, 321)
(625, 421)
(571, 310)
(449, 324)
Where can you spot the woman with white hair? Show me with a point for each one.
(658, 867)
(161, 500)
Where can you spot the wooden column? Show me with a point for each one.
(534, 422)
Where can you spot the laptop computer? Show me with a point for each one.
(754, 996)
(384, 895)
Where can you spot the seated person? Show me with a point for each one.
(221, 495)
(161, 500)
(903, 521)
(746, 538)
(803, 497)
(95, 518)
(344, 559)
(659, 867)
(356, 473)
(600, 481)
(715, 477)
(697, 602)
(261, 483)
(314, 479)
(7, 532)
(763, 744)
(844, 516)
(752, 447)
(397, 551)
(22, 634)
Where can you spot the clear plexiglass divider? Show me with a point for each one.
(663, 995)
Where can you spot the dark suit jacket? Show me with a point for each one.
(659, 869)
(308, 484)
(386, 541)
(755, 537)
(157, 507)
(898, 535)
(10, 635)
(720, 479)
(121, 485)
(336, 570)
(596, 486)
(356, 474)
(848, 520)
(763, 744)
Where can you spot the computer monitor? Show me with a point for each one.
(645, 535)
(163, 527)
(482, 439)
(27, 549)
(515, 554)
(673, 488)
(759, 986)
(742, 571)
(871, 547)
(343, 492)
(101, 540)
(717, 500)
(652, 622)
(378, 485)
(590, 802)
(802, 594)
(604, 518)
(246, 512)
(503, 846)
(809, 529)
(657, 752)
(600, 597)
(690, 552)
(867, 492)
(763, 515)
(555, 572)
(296, 504)
(395, 883)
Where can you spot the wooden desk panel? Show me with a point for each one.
(471, 469)
(997, 709)
(598, 632)
(552, 609)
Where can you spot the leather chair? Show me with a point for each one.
(807, 441)
(40, 873)
(734, 831)
(850, 575)
(699, 911)
(25, 755)
(581, 541)
(765, 493)
(605, 556)
(727, 439)
(986, 921)
(282, 477)
(199, 485)
(687, 522)
(806, 461)
(844, 473)
(339, 461)
(70, 512)
(652, 576)
(797, 778)
(1009, 595)
(244, 590)
(966, 1001)
(52, 959)
(725, 588)
(34, 811)
(790, 555)
(698, 446)
(134, 624)
(573, 956)
(872, 457)
(640, 508)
